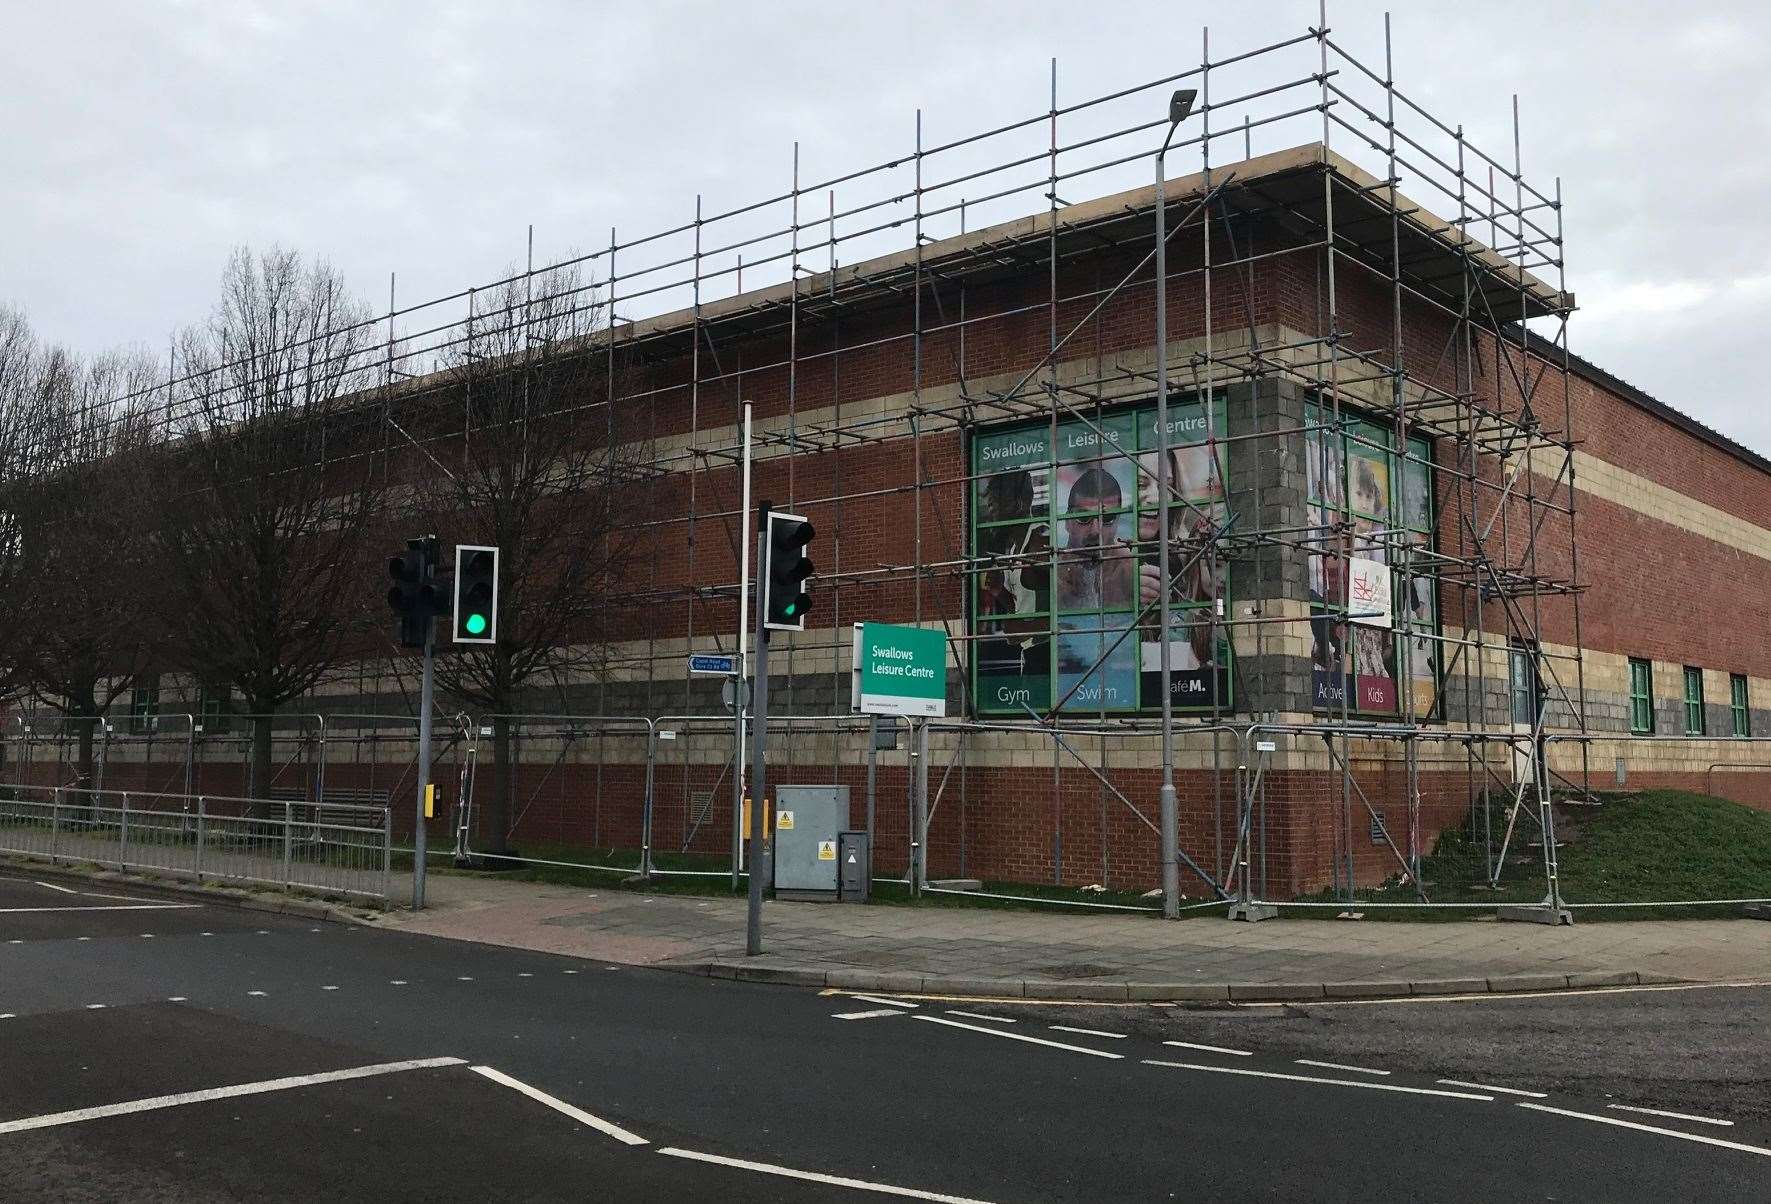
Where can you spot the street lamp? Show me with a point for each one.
(1180, 104)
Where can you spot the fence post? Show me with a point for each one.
(646, 818)
(387, 849)
(55, 825)
(288, 842)
(123, 850)
(200, 834)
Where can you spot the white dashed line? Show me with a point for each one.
(11, 911)
(8, 1015)
(15, 942)
(890, 1003)
(1642, 1128)
(1702, 1120)
(873, 1015)
(1083, 1049)
(1340, 1066)
(93, 1007)
(83, 938)
(208, 934)
(147, 936)
(1085, 1032)
(1217, 1049)
(257, 993)
(52, 1119)
(175, 999)
(328, 988)
(1492, 1087)
(66, 890)
(568, 971)
(264, 932)
(524, 974)
(464, 978)
(396, 982)
(562, 1107)
(978, 1016)
(884, 1189)
(1310, 1078)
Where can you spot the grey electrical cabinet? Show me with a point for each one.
(807, 822)
(854, 858)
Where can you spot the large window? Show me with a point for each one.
(1641, 696)
(1068, 540)
(1738, 710)
(1693, 701)
(144, 706)
(1371, 518)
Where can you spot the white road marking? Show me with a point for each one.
(562, 1107)
(1339, 1066)
(1492, 1087)
(93, 1007)
(979, 1016)
(264, 932)
(396, 982)
(175, 999)
(83, 938)
(208, 934)
(766, 1168)
(524, 974)
(255, 992)
(1218, 1049)
(15, 942)
(1631, 1124)
(996, 1032)
(1702, 1120)
(1085, 1032)
(52, 1119)
(8, 1015)
(464, 978)
(873, 1015)
(1311, 1078)
(568, 971)
(328, 988)
(15, 911)
(891, 1003)
(147, 936)
(66, 890)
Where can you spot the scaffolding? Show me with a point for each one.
(1292, 246)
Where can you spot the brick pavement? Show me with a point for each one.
(1096, 956)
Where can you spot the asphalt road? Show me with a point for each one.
(212, 1054)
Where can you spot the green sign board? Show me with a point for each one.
(900, 670)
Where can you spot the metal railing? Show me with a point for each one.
(334, 848)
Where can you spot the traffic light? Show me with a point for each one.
(785, 569)
(413, 595)
(476, 595)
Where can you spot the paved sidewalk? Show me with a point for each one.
(1063, 955)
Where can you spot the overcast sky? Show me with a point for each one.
(144, 140)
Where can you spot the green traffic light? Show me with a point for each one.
(476, 624)
(791, 607)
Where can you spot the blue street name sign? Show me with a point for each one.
(713, 664)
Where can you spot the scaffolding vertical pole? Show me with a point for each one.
(1170, 820)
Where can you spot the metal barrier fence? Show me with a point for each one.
(334, 848)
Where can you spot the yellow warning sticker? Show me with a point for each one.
(784, 821)
(826, 850)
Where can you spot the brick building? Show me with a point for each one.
(1420, 554)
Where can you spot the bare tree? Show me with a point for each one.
(269, 488)
(85, 539)
(22, 447)
(543, 467)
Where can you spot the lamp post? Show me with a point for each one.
(1179, 106)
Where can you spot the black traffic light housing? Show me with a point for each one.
(785, 570)
(476, 594)
(413, 595)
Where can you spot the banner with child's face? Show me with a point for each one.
(1068, 544)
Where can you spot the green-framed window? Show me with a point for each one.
(1522, 686)
(215, 708)
(144, 706)
(1641, 696)
(1693, 701)
(1370, 501)
(1067, 548)
(1738, 709)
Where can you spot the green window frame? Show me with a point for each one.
(144, 706)
(1641, 696)
(1693, 701)
(1739, 711)
(215, 706)
(1359, 482)
(1522, 684)
(1049, 613)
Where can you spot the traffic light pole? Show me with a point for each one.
(759, 787)
(424, 701)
